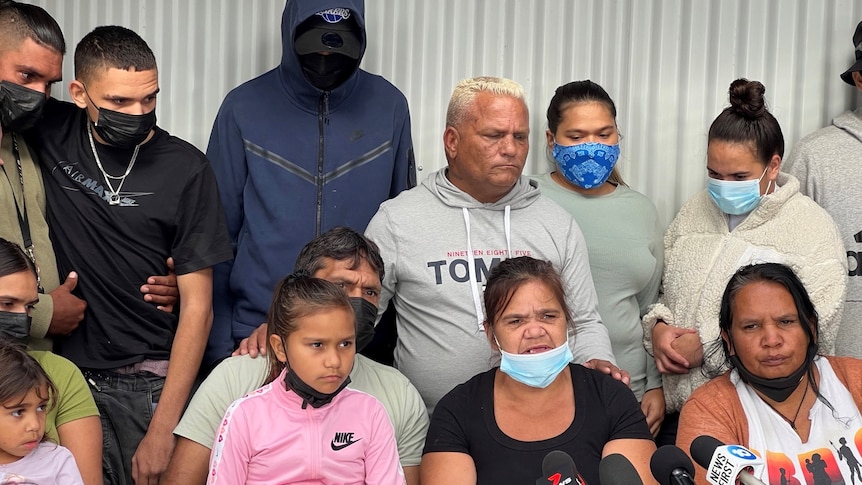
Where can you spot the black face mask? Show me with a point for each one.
(124, 130)
(309, 394)
(327, 72)
(15, 325)
(780, 388)
(20, 107)
(121, 129)
(366, 315)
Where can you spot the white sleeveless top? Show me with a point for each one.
(823, 459)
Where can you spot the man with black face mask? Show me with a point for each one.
(347, 258)
(29, 64)
(313, 144)
(329, 47)
(123, 195)
(31, 57)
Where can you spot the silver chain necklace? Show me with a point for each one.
(114, 198)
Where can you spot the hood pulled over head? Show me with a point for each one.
(323, 42)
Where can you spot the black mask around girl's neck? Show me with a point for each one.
(780, 388)
(309, 394)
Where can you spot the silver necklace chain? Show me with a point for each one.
(114, 198)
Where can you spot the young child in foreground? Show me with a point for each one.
(304, 425)
(26, 394)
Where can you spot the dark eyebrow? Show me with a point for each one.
(603, 128)
(124, 98)
(514, 315)
(788, 316)
(38, 73)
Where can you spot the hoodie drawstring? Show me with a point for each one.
(471, 263)
(507, 225)
(471, 270)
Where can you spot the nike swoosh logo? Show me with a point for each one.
(341, 447)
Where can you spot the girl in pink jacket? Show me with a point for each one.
(304, 426)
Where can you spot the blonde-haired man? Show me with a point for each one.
(440, 239)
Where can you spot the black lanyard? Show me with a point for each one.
(23, 220)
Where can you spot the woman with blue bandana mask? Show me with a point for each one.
(499, 426)
(749, 213)
(620, 225)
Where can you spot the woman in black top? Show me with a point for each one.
(498, 426)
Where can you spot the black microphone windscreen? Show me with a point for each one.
(556, 461)
(558, 467)
(668, 459)
(615, 469)
(702, 449)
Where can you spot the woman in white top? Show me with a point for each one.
(796, 410)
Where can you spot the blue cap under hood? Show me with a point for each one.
(290, 71)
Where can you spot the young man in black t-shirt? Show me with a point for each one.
(123, 196)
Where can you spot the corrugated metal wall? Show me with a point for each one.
(667, 63)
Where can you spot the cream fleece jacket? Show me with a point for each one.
(701, 255)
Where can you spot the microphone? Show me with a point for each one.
(558, 468)
(725, 464)
(615, 469)
(671, 466)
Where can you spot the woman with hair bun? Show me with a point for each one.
(749, 213)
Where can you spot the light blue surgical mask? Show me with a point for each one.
(736, 197)
(587, 165)
(536, 370)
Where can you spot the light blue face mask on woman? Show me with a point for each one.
(587, 165)
(736, 197)
(536, 370)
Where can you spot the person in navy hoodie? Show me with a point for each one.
(312, 144)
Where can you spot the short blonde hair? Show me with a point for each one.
(465, 92)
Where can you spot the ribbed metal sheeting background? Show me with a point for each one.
(667, 63)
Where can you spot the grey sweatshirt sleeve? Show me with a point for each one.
(381, 233)
(591, 339)
(799, 164)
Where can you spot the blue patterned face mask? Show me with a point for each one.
(735, 197)
(536, 370)
(587, 165)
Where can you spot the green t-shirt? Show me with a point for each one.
(73, 401)
(624, 241)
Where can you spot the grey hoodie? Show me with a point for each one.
(828, 164)
(426, 236)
